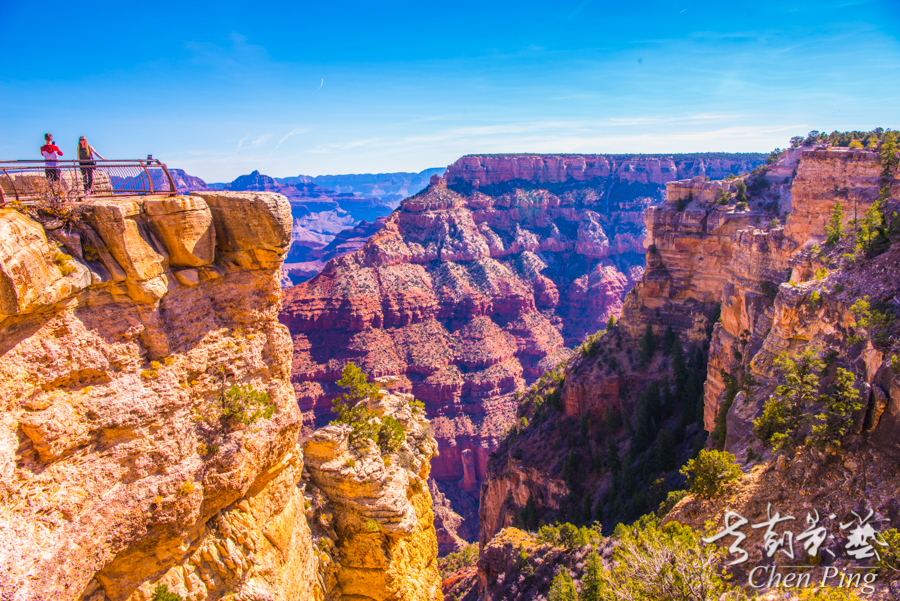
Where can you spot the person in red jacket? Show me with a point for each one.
(51, 154)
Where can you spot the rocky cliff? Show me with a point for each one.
(372, 513)
(486, 170)
(473, 289)
(733, 283)
(149, 432)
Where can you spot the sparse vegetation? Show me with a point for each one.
(711, 472)
(366, 427)
(834, 228)
(652, 562)
(206, 450)
(245, 404)
(456, 561)
(161, 593)
(63, 262)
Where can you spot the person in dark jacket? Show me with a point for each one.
(86, 156)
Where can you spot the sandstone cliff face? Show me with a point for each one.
(120, 469)
(117, 469)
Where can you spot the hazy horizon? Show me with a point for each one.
(322, 90)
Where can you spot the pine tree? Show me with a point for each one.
(679, 368)
(665, 457)
(668, 340)
(563, 587)
(833, 229)
(643, 417)
(529, 513)
(592, 582)
(611, 324)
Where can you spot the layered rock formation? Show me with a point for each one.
(122, 464)
(486, 170)
(471, 292)
(758, 285)
(310, 249)
(109, 353)
(372, 512)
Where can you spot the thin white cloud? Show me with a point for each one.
(295, 131)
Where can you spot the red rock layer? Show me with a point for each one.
(470, 294)
(493, 169)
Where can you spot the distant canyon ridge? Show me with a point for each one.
(332, 214)
(479, 283)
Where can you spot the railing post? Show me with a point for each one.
(172, 187)
(147, 173)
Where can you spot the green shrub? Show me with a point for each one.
(570, 536)
(672, 499)
(63, 262)
(456, 561)
(246, 405)
(711, 472)
(161, 593)
(372, 526)
(890, 555)
(653, 562)
(390, 435)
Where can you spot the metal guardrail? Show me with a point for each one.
(29, 181)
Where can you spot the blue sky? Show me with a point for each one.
(223, 88)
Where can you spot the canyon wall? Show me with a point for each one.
(149, 431)
(738, 278)
(486, 170)
(471, 295)
(471, 292)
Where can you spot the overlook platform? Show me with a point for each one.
(33, 181)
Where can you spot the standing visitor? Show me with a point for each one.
(51, 154)
(86, 156)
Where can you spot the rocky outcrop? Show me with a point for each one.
(373, 511)
(149, 431)
(116, 339)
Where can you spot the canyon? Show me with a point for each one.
(333, 214)
(736, 284)
(479, 284)
(150, 434)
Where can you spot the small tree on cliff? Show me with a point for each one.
(611, 324)
(365, 424)
(833, 229)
